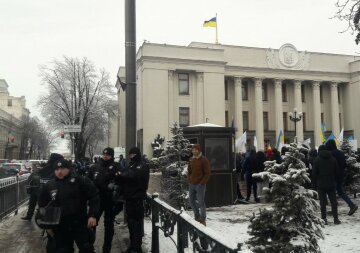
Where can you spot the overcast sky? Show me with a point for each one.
(34, 32)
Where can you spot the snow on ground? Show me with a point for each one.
(231, 223)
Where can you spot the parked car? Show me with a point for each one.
(17, 168)
(2, 161)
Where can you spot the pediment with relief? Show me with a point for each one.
(287, 57)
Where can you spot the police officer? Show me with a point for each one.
(103, 175)
(134, 181)
(72, 194)
(32, 189)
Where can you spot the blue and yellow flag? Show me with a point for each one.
(210, 23)
(280, 141)
(332, 137)
(322, 133)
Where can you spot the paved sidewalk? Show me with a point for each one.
(19, 236)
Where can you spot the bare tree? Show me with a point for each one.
(77, 94)
(349, 11)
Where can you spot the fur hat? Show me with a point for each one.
(108, 151)
(54, 157)
(196, 146)
(62, 163)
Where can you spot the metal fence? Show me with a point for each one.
(12, 194)
(171, 220)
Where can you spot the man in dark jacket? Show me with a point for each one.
(134, 181)
(103, 175)
(340, 158)
(72, 194)
(32, 188)
(47, 172)
(325, 172)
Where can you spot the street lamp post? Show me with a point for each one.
(73, 147)
(295, 117)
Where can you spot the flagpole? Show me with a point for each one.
(216, 29)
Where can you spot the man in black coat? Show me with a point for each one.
(340, 158)
(134, 181)
(324, 173)
(103, 175)
(37, 180)
(72, 194)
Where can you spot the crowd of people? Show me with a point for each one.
(326, 168)
(72, 197)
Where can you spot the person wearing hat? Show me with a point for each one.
(198, 176)
(37, 180)
(134, 181)
(103, 175)
(72, 194)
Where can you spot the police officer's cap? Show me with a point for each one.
(62, 163)
(108, 151)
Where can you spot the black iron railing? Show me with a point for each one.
(175, 222)
(12, 194)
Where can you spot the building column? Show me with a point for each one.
(259, 120)
(200, 97)
(279, 122)
(238, 107)
(298, 104)
(335, 124)
(171, 98)
(317, 112)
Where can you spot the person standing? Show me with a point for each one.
(122, 163)
(198, 176)
(103, 174)
(134, 181)
(73, 194)
(324, 173)
(33, 190)
(249, 167)
(340, 158)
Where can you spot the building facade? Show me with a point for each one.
(12, 109)
(257, 88)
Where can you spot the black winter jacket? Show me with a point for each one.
(134, 180)
(325, 170)
(102, 174)
(73, 194)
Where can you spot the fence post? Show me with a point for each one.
(17, 192)
(155, 229)
(180, 235)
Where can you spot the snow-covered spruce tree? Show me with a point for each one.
(352, 170)
(173, 162)
(292, 224)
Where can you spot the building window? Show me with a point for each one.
(321, 94)
(284, 92)
(264, 92)
(285, 120)
(304, 120)
(303, 93)
(322, 118)
(9, 102)
(226, 89)
(245, 120)
(266, 120)
(244, 87)
(226, 118)
(339, 95)
(340, 120)
(184, 116)
(183, 84)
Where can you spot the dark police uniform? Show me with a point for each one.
(72, 194)
(134, 181)
(103, 174)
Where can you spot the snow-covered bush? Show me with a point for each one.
(352, 171)
(293, 223)
(173, 164)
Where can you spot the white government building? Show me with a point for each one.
(257, 87)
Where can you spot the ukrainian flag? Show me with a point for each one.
(210, 23)
(322, 133)
(280, 141)
(332, 137)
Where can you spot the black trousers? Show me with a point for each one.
(331, 193)
(135, 217)
(107, 207)
(32, 205)
(66, 233)
(251, 183)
